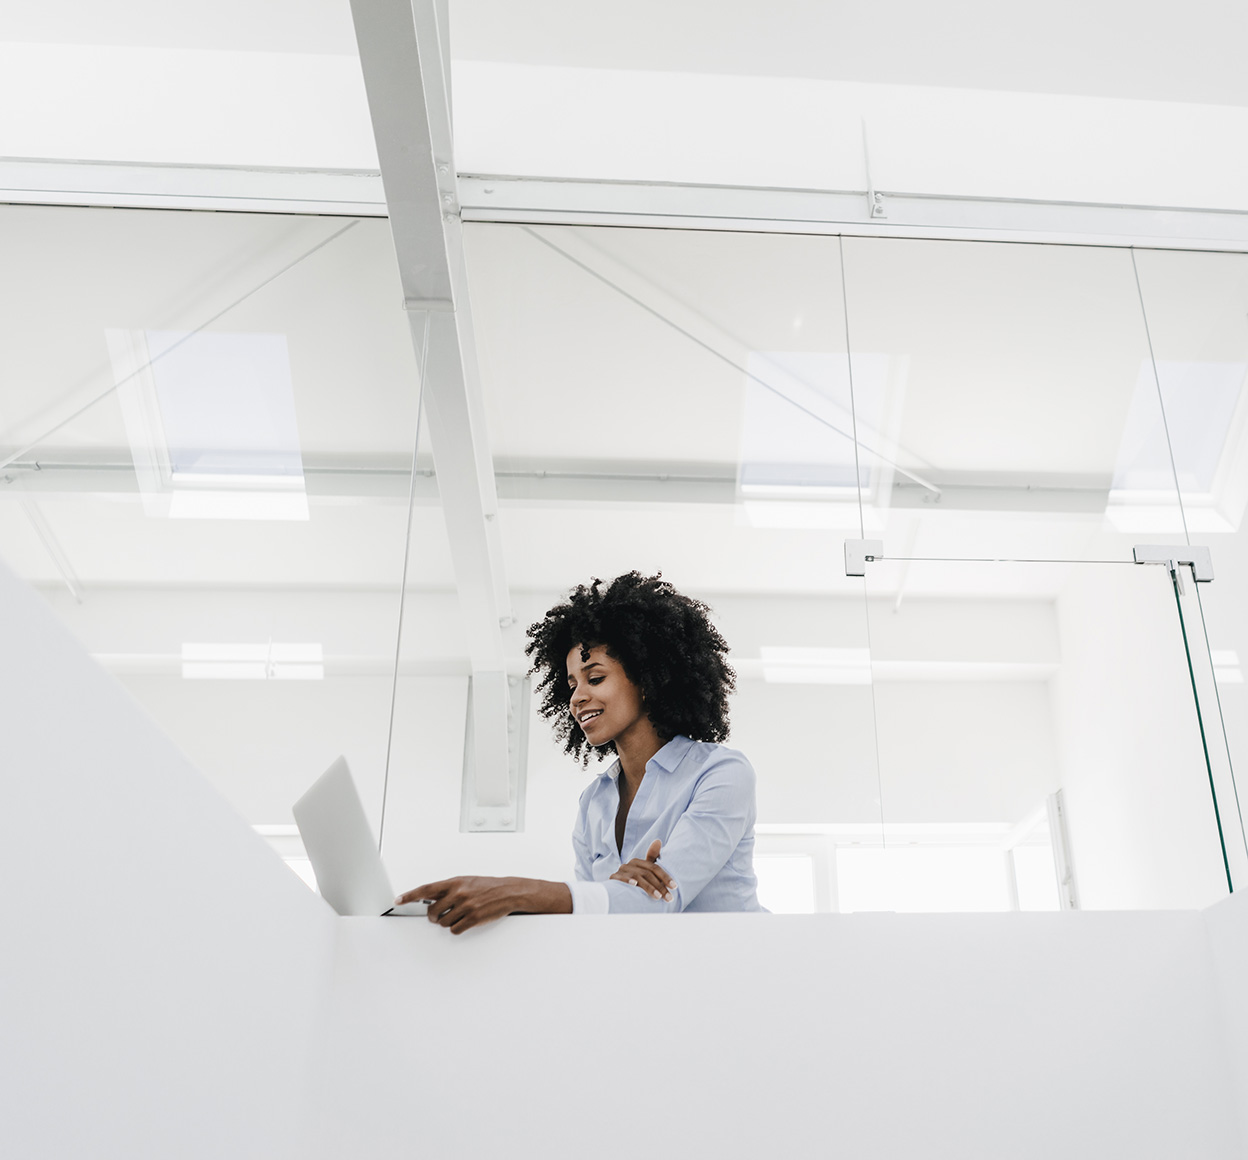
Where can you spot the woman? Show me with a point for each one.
(633, 668)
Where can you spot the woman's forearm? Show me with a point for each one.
(462, 903)
(537, 896)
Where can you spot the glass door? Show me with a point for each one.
(1040, 737)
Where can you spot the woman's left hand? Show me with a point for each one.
(647, 874)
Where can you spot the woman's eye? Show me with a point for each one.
(596, 680)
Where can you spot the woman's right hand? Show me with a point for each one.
(647, 874)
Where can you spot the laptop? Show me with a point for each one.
(340, 844)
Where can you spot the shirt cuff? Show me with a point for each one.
(588, 897)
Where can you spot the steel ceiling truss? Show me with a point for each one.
(403, 52)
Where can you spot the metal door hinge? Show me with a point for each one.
(1175, 557)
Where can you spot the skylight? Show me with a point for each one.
(797, 426)
(1199, 428)
(1200, 398)
(211, 421)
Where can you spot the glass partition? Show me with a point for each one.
(678, 402)
(1196, 305)
(206, 466)
(1005, 402)
(1014, 454)
(206, 424)
(1060, 713)
(426, 739)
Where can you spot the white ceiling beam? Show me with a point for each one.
(503, 198)
(673, 205)
(403, 53)
(135, 185)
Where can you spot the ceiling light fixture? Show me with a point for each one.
(271, 661)
(816, 666)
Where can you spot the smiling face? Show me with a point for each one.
(603, 701)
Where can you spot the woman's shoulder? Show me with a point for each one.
(723, 760)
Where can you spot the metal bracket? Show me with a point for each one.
(475, 815)
(859, 552)
(1173, 557)
(875, 203)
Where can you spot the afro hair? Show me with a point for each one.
(665, 642)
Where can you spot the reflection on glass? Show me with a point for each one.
(1020, 419)
(797, 424)
(1197, 306)
(1187, 443)
(206, 457)
(1073, 681)
(210, 417)
(1023, 403)
(1206, 677)
(678, 402)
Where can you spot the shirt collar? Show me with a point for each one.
(667, 758)
(612, 771)
(672, 754)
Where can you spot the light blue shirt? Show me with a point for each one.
(697, 798)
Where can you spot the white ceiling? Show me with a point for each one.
(303, 26)
(1008, 366)
(1105, 48)
(1090, 103)
(1012, 370)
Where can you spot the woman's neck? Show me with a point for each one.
(635, 747)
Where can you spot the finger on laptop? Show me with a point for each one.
(427, 893)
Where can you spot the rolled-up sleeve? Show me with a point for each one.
(588, 897)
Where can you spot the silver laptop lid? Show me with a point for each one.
(341, 846)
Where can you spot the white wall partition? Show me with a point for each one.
(964, 1036)
(161, 971)
(1227, 927)
(171, 989)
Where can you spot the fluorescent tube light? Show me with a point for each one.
(272, 661)
(816, 666)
